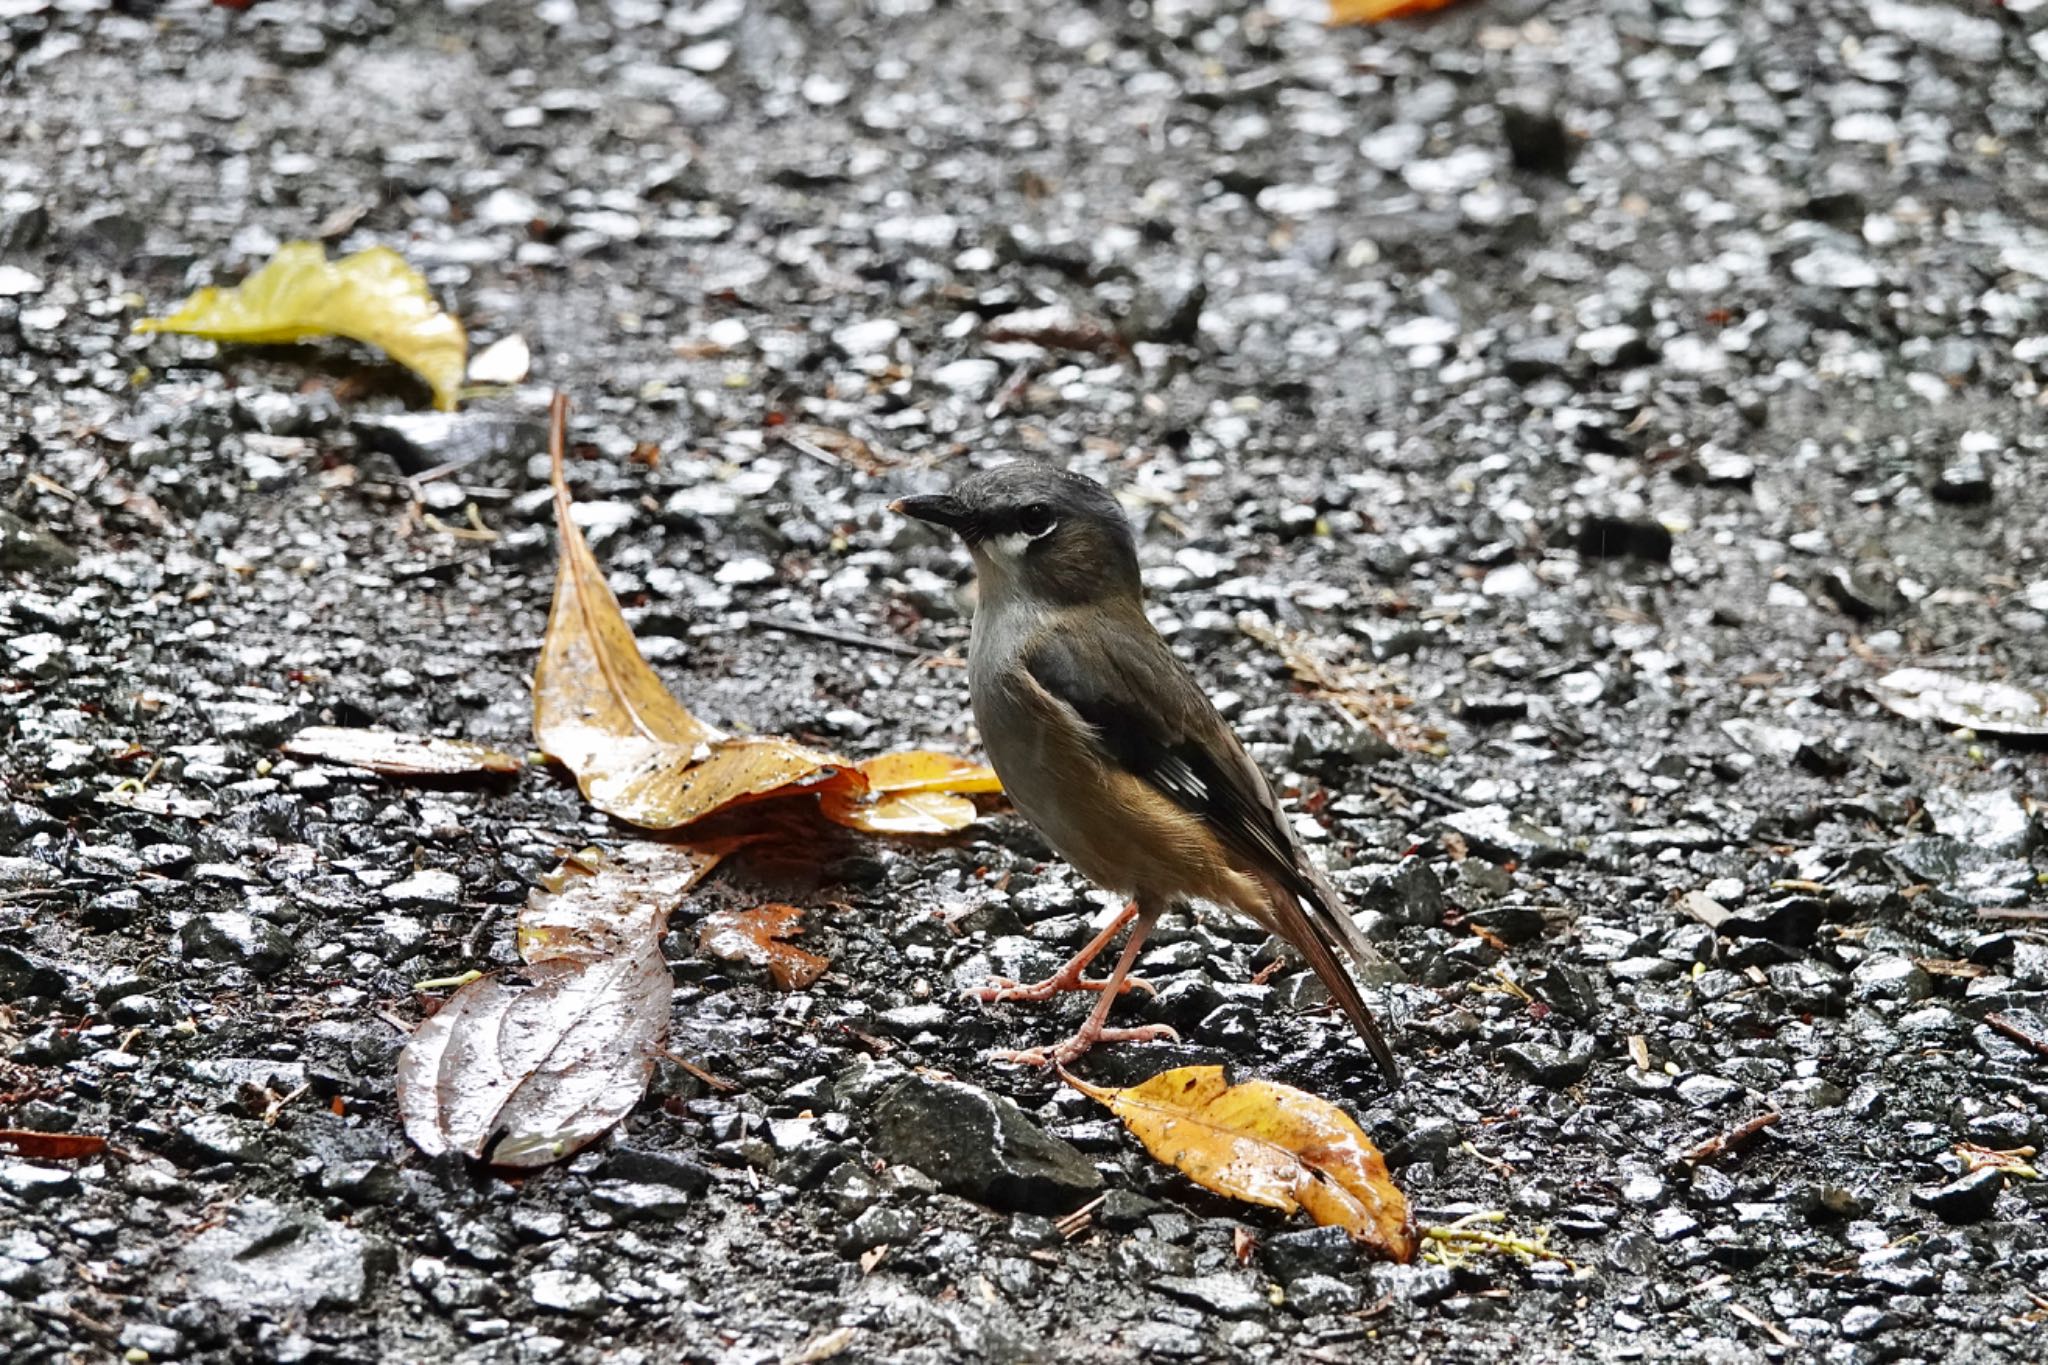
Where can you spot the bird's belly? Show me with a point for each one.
(1116, 830)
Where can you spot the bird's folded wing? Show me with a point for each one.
(1152, 720)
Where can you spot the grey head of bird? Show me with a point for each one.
(1038, 533)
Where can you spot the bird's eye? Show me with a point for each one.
(1037, 521)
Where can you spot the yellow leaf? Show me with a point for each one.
(901, 812)
(397, 755)
(757, 936)
(1270, 1144)
(600, 711)
(1377, 11)
(372, 296)
(921, 770)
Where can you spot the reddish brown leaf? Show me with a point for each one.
(756, 936)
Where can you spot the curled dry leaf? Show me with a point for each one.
(396, 754)
(756, 936)
(1378, 11)
(1989, 708)
(1269, 1144)
(372, 296)
(540, 1066)
(600, 711)
(599, 904)
(914, 792)
(50, 1146)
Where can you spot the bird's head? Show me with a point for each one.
(1038, 533)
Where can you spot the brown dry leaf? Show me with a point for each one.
(1378, 11)
(599, 904)
(1268, 1144)
(372, 296)
(914, 792)
(50, 1146)
(396, 754)
(541, 1066)
(755, 936)
(600, 711)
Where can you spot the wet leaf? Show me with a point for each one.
(1268, 1144)
(542, 1065)
(1378, 11)
(396, 754)
(1989, 708)
(601, 712)
(914, 792)
(50, 1146)
(372, 296)
(598, 904)
(756, 936)
(922, 770)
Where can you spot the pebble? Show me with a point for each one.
(566, 1291)
(427, 889)
(232, 938)
(981, 1146)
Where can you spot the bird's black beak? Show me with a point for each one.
(940, 509)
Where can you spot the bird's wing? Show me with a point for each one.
(1150, 718)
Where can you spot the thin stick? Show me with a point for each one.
(2019, 1035)
(837, 637)
(1419, 792)
(1733, 1138)
(1761, 1323)
(2013, 914)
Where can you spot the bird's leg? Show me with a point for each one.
(1067, 978)
(1095, 1031)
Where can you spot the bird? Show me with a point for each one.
(1107, 744)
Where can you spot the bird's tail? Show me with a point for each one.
(1318, 923)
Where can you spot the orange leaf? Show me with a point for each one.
(1377, 11)
(397, 755)
(1270, 1144)
(911, 812)
(756, 936)
(600, 711)
(921, 770)
(50, 1146)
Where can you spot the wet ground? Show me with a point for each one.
(1625, 387)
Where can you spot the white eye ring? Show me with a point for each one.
(1052, 524)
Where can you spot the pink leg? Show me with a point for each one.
(1068, 978)
(1095, 1031)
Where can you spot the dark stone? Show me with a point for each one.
(1966, 482)
(980, 1146)
(1290, 1255)
(1537, 358)
(1790, 920)
(1537, 139)
(1555, 1067)
(31, 548)
(270, 1259)
(1512, 924)
(1609, 537)
(1223, 1293)
(1500, 835)
(1866, 592)
(1409, 894)
(878, 1227)
(233, 938)
(1967, 1200)
(419, 441)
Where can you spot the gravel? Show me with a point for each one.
(1600, 398)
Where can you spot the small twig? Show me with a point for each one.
(1418, 791)
(2019, 1035)
(1735, 1137)
(2013, 914)
(716, 1082)
(837, 637)
(276, 1106)
(1074, 1224)
(1762, 1324)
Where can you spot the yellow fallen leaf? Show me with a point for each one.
(922, 770)
(372, 296)
(1269, 1144)
(397, 755)
(1377, 11)
(600, 711)
(757, 936)
(913, 792)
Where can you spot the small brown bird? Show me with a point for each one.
(1107, 745)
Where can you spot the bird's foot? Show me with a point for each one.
(1061, 1054)
(1002, 990)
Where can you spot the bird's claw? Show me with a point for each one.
(1002, 990)
(1060, 1054)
